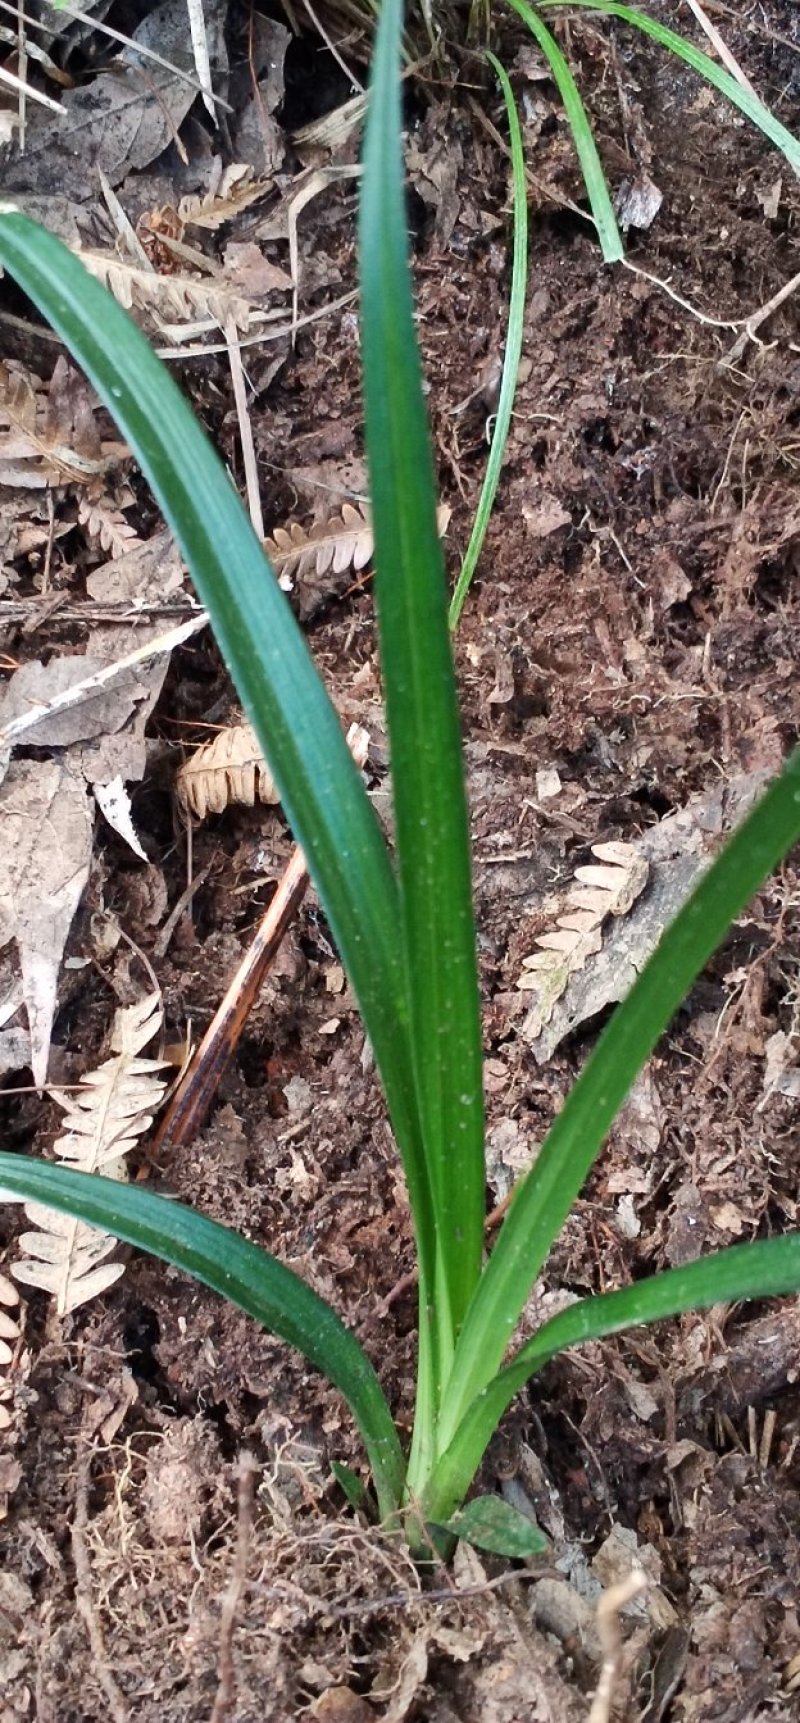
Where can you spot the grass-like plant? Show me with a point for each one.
(404, 922)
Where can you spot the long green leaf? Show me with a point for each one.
(591, 166)
(266, 654)
(511, 357)
(422, 716)
(742, 98)
(244, 1274)
(547, 1193)
(760, 1270)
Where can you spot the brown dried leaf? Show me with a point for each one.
(9, 1335)
(608, 889)
(345, 541)
(231, 768)
(237, 190)
(65, 1257)
(49, 436)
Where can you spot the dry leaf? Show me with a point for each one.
(45, 857)
(343, 542)
(9, 1335)
(104, 1120)
(236, 191)
(49, 436)
(231, 768)
(609, 888)
(171, 296)
(677, 852)
(106, 523)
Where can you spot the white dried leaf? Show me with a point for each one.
(115, 804)
(45, 857)
(106, 523)
(230, 768)
(607, 889)
(105, 1119)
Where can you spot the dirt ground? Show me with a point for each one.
(174, 1544)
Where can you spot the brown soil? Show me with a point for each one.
(633, 628)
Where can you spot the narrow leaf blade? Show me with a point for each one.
(422, 715)
(286, 702)
(545, 1196)
(591, 166)
(243, 1273)
(512, 355)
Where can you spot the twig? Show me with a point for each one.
(755, 321)
(226, 1673)
(191, 1103)
(724, 52)
(608, 1610)
(83, 1576)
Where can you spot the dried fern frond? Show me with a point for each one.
(343, 542)
(230, 768)
(608, 889)
(104, 1120)
(49, 436)
(171, 296)
(237, 190)
(106, 523)
(9, 1335)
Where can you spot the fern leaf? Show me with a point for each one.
(343, 542)
(104, 1120)
(230, 768)
(9, 1335)
(609, 888)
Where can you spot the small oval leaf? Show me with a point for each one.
(492, 1524)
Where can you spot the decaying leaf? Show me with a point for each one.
(48, 436)
(47, 823)
(9, 1335)
(609, 888)
(677, 851)
(104, 1120)
(230, 768)
(236, 191)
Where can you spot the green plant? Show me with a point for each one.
(404, 924)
